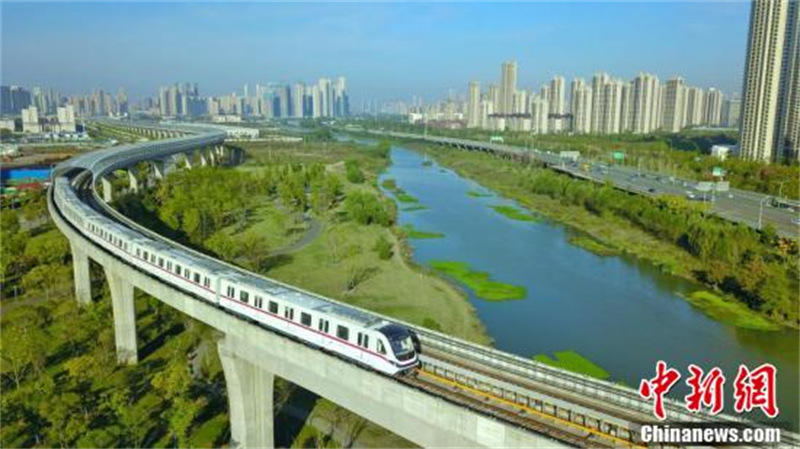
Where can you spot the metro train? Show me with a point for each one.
(380, 344)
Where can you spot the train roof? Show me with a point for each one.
(304, 299)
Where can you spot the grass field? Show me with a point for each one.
(572, 361)
(480, 282)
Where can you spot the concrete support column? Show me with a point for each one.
(158, 169)
(203, 160)
(212, 158)
(124, 317)
(249, 399)
(108, 189)
(133, 179)
(80, 271)
(187, 157)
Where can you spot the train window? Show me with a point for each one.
(177, 269)
(145, 256)
(342, 332)
(196, 278)
(187, 274)
(273, 307)
(206, 282)
(323, 325)
(258, 302)
(161, 262)
(243, 296)
(363, 340)
(169, 266)
(153, 258)
(137, 253)
(231, 292)
(381, 349)
(305, 319)
(289, 313)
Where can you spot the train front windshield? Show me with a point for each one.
(400, 340)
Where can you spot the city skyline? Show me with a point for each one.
(395, 54)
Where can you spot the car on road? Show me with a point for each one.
(651, 190)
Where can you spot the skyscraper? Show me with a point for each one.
(297, 100)
(771, 82)
(713, 108)
(507, 87)
(581, 106)
(556, 103)
(695, 106)
(789, 133)
(598, 83)
(473, 111)
(645, 104)
(674, 104)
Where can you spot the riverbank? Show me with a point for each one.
(603, 233)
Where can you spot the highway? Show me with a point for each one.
(753, 209)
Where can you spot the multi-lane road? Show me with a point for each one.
(754, 209)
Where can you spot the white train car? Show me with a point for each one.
(351, 333)
(359, 336)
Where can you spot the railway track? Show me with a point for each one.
(568, 407)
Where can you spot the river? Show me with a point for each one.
(619, 312)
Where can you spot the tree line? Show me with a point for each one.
(759, 268)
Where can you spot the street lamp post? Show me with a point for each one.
(761, 211)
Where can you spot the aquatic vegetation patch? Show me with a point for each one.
(594, 246)
(729, 311)
(513, 213)
(403, 197)
(413, 233)
(477, 194)
(479, 281)
(572, 361)
(414, 208)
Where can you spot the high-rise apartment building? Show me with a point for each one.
(713, 108)
(674, 105)
(646, 104)
(30, 120)
(789, 132)
(473, 109)
(508, 86)
(539, 111)
(731, 113)
(626, 108)
(769, 116)
(557, 104)
(66, 119)
(695, 106)
(581, 106)
(598, 101)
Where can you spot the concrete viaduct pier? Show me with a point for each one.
(251, 357)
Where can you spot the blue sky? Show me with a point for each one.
(386, 50)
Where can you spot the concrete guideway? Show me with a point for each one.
(460, 398)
